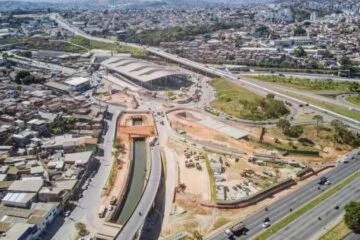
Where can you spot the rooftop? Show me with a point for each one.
(77, 81)
(26, 186)
(139, 70)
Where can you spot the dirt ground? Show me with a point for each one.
(206, 220)
(121, 97)
(190, 215)
(196, 181)
(329, 151)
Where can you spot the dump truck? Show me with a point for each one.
(236, 229)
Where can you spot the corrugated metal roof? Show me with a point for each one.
(139, 70)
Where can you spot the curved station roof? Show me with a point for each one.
(139, 70)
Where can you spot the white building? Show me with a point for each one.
(78, 83)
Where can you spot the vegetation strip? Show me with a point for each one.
(339, 231)
(92, 44)
(331, 107)
(277, 226)
(211, 178)
(308, 84)
(355, 99)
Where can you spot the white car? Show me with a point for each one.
(266, 224)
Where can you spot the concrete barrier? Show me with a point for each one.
(247, 201)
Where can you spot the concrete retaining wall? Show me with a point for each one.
(247, 201)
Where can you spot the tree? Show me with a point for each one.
(300, 52)
(270, 96)
(318, 119)
(299, 31)
(354, 87)
(283, 124)
(352, 216)
(20, 75)
(294, 131)
(81, 228)
(345, 63)
(263, 132)
(197, 235)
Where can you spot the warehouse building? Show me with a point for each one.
(146, 74)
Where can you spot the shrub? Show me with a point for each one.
(294, 131)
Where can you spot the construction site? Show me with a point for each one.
(224, 165)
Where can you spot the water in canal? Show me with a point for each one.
(136, 182)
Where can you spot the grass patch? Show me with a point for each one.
(306, 84)
(242, 103)
(211, 178)
(91, 44)
(329, 106)
(86, 147)
(354, 99)
(338, 232)
(112, 175)
(277, 226)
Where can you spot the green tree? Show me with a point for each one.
(318, 119)
(294, 131)
(300, 52)
(263, 132)
(299, 31)
(20, 75)
(352, 216)
(283, 124)
(81, 228)
(197, 235)
(345, 63)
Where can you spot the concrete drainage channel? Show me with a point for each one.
(137, 181)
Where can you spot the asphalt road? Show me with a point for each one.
(308, 226)
(352, 236)
(281, 208)
(86, 206)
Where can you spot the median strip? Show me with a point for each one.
(277, 226)
(339, 231)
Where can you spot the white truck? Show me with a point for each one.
(102, 211)
(237, 228)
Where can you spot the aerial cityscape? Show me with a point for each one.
(180, 120)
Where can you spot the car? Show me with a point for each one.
(229, 233)
(111, 207)
(267, 219)
(266, 224)
(323, 181)
(327, 182)
(84, 187)
(336, 207)
(67, 213)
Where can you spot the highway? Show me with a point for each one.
(308, 226)
(137, 219)
(352, 236)
(305, 76)
(281, 208)
(201, 67)
(38, 64)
